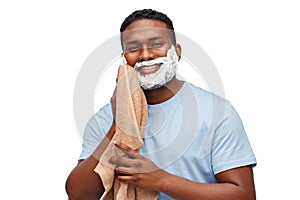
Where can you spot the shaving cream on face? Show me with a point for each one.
(167, 70)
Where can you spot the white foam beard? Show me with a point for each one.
(167, 70)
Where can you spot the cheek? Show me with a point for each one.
(160, 52)
(131, 59)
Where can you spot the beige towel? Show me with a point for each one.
(131, 118)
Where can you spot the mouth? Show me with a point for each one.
(148, 69)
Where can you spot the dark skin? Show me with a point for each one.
(83, 183)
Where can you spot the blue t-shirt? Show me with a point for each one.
(194, 135)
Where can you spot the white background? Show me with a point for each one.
(255, 46)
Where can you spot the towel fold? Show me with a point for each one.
(131, 118)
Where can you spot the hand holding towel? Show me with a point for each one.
(131, 118)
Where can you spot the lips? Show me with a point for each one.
(148, 69)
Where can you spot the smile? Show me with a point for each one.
(145, 70)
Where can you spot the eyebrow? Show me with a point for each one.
(155, 38)
(132, 42)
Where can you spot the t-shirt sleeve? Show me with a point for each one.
(95, 130)
(231, 147)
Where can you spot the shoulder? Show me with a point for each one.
(207, 102)
(104, 112)
(205, 94)
(100, 120)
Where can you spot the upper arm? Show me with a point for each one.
(231, 147)
(232, 155)
(242, 177)
(83, 182)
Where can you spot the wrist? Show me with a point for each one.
(164, 181)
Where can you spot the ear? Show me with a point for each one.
(178, 51)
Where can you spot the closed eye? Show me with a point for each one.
(157, 45)
(133, 48)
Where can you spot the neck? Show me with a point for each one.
(164, 93)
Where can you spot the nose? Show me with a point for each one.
(145, 54)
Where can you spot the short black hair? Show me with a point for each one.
(148, 14)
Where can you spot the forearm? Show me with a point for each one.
(83, 183)
(181, 188)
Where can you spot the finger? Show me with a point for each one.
(122, 146)
(126, 149)
(121, 161)
(126, 171)
(127, 179)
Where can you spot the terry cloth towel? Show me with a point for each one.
(131, 118)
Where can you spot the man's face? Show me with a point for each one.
(146, 40)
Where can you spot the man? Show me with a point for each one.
(195, 146)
